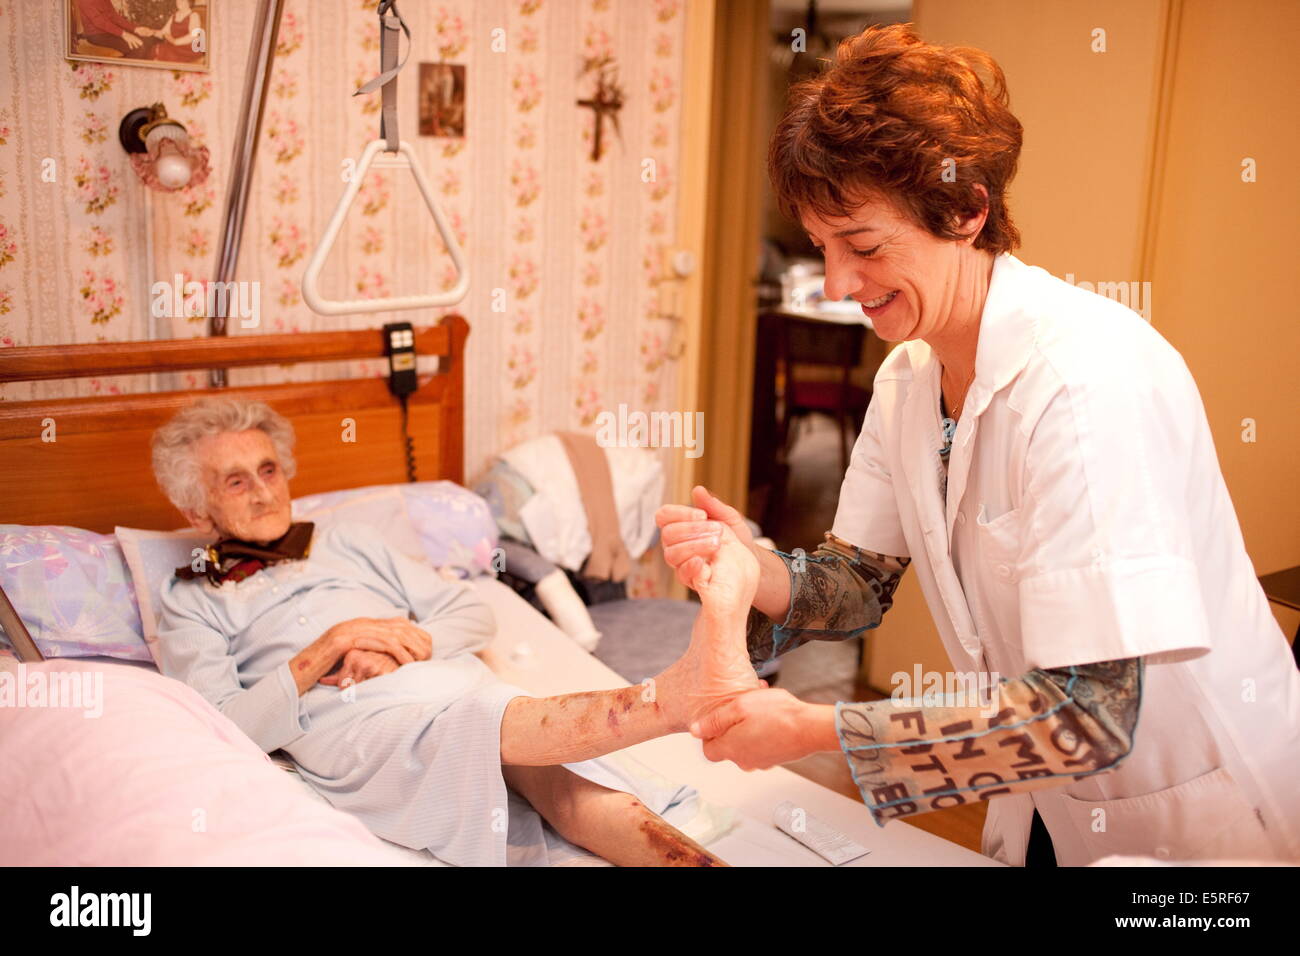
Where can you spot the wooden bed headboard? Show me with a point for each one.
(97, 473)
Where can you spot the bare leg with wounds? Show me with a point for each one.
(539, 733)
(612, 824)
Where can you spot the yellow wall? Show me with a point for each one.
(1130, 172)
(1224, 263)
(1088, 117)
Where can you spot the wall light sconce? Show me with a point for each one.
(161, 151)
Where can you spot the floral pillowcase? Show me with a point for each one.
(73, 591)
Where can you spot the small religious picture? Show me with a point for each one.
(442, 99)
(167, 34)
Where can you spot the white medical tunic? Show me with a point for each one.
(1086, 519)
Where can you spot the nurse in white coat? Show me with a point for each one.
(1041, 457)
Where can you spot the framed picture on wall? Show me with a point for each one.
(167, 34)
(442, 99)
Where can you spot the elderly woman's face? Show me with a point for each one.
(906, 279)
(246, 490)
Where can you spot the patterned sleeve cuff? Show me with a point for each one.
(1045, 728)
(857, 771)
(760, 638)
(828, 602)
(764, 636)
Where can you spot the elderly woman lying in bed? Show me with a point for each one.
(358, 662)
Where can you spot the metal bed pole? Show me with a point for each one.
(11, 625)
(261, 56)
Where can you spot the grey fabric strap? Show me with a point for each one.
(609, 559)
(389, 68)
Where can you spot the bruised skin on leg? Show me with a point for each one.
(614, 825)
(552, 730)
(673, 847)
(621, 829)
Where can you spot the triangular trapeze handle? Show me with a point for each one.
(311, 278)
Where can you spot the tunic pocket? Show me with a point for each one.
(996, 608)
(1205, 818)
(998, 541)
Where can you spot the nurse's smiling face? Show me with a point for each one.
(245, 488)
(911, 284)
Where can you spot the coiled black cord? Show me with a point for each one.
(410, 443)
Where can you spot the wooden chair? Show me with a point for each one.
(809, 346)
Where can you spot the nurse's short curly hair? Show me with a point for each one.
(881, 121)
(175, 462)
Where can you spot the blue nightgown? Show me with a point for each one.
(414, 753)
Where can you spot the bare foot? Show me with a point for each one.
(716, 667)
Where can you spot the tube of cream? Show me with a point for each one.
(823, 839)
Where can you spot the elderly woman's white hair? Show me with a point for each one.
(175, 463)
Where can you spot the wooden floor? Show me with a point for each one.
(826, 672)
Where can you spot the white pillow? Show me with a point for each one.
(153, 557)
(384, 511)
(454, 526)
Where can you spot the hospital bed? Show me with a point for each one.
(96, 475)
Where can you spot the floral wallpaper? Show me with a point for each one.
(563, 251)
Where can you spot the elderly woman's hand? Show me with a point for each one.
(359, 665)
(396, 636)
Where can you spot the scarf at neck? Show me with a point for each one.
(233, 560)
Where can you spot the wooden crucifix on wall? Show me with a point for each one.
(605, 102)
